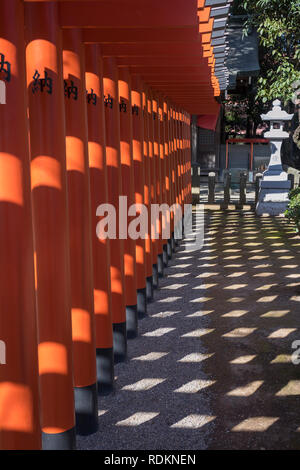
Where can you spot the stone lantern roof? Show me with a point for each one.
(276, 113)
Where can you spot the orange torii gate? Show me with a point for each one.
(65, 323)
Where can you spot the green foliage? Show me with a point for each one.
(293, 211)
(277, 22)
(296, 137)
(242, 115)
(294, 192)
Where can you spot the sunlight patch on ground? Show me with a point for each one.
(282, 359)
(235, 286)
(195, 386)
(275, 313)
(238, 274)
(264, 275)
(195, 357)
(205, 275)
(169, 299)
(197, 333)
(268, 298)
(164, 314)
(143, 385)
(201, 313)
(282, 332)
(239, 333)
(152, 356)
(291, 389)
(243, 359)
(178, 275)
(137, 419)
(193, 421)
(235, 300)
(159, 332)
(266, 287)
(202, 299)
(174, 286)
(246, 390)
(257, 424)
(236, 313)
(204, 286)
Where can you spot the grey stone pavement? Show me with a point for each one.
(212, 366)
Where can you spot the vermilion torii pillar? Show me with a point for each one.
(139, 175)
(168, 176)
(99, 195)
(176, 171)
(147, 194)
(189, 158)
(172, 173)
(113, 161)
(82, 299)
(152, 189)
(128, 183)
(19, 396)
(181, 147)
(156, 149)
(51, 234)
(162, 162)
(178, 164)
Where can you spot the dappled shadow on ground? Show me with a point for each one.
(212, 366)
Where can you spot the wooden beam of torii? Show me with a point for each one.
(132, 35)
(126, 13)
(149, 33)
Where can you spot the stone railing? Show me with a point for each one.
(243, 182)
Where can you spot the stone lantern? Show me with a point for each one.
(275, 186)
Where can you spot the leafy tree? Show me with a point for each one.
(277, 22)
(242, 115)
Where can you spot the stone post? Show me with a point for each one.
(211, 187)
(243, 181)
(227, 183)
(257, 183)
(291, 178)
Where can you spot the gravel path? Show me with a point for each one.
(211, 368)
